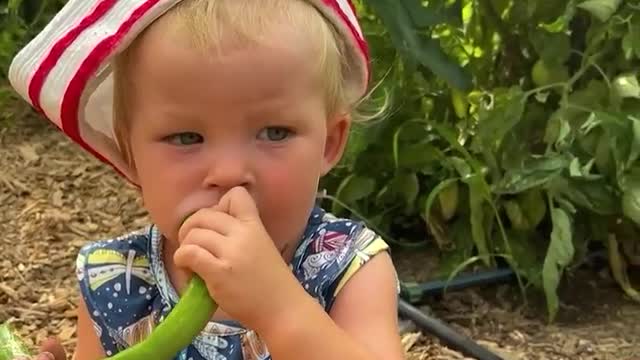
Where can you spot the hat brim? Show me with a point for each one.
(65, 74)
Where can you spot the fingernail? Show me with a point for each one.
(46, 356)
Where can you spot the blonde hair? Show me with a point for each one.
(208, 23)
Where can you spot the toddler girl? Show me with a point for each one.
(225, 113)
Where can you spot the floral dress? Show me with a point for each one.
(127, 290)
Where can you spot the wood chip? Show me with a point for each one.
(409, 340)
(9, 291)
(28, 153)
(67, 333)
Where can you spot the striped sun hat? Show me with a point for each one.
(64, 72)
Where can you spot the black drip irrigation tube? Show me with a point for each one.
(412, 294)
(445, 333)
(416, 293)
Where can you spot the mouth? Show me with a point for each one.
(193, 203)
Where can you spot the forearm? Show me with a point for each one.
(308, 332)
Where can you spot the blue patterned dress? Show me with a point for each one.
(127, 290)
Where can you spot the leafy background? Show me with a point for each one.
(513, 134)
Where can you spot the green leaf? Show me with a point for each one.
(448, 200)
(431, 14)
(625, 145)
(423, 49)
(593, 96)
(622, 132)
(462, 248)
(559, 256)
(462, 168)
(352, 189)
(631, 202)
(407, 186)
(421, 15)
(578, 170)
(554, 48)
(555, 129)
(561, 23)
(527, 257)
(533, 206)
(433, 195)
(619, 268)
(588, 141)
(520, 142)
(412, 148)
(14, 6)
(594, 195)
(635, 144)
(477, 197)
(601, 9)
(564, 139)
(534, 173)
(449, 135)
(505, 112)
(626, 86)
(419, 157)
(515, 215)
(566, 205)
(631, 41)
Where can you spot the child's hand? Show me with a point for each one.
(50, 349)
(231, 250)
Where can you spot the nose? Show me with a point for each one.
(229, 168)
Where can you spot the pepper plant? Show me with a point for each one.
(513, 134)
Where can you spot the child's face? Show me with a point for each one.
(254, 116)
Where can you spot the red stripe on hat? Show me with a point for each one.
(71, 100)
(51, 59)
(362, 44)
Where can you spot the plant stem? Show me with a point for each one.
(544, 88)
(495, 19)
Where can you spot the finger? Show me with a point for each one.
(199, 260)
(209, 240)
(46, 356)
(238, 203)
(209, 219)
(53, 347)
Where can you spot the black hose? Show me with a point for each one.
(445, 333)
(416, 293)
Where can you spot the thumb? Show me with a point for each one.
(238, 203)
(53, 346)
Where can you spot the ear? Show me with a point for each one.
(335, 144)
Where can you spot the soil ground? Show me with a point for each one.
(54, 198)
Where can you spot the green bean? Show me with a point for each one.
(187, 319)
(11, 346)
(190, 315)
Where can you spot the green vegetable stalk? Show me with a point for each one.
(177, 331)
(11, 346)
(190, 315)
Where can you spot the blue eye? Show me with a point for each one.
(274, 133)
(185, 138)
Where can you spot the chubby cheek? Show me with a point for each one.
(156, 174)
(287, 191)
